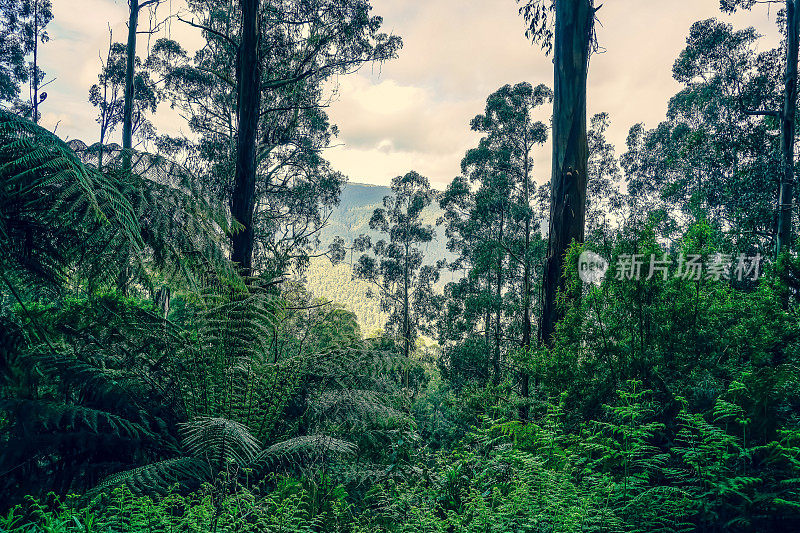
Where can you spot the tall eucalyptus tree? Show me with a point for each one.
(786, 114)
(255, 95)
(566, 28)
(395, 265)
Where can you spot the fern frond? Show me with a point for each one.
(183, 226)
(61, 216)
(306, 448)
(353, 404)
(50, 203)
(36, 416)
(188, 472)
(219, 440)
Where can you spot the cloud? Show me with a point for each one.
(456, 53)
(414, 112)
(381, 166)
(460, 49)
(398, 118)
(387, 129)
(72, 59)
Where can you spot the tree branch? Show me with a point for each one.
(762, 113)
(148, 3)
(209, 30)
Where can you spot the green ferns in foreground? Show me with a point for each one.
(121, 510)
(612, 475)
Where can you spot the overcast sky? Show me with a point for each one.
(414, 112)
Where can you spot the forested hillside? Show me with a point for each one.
(351, 217)
(205, 326)
(349, 220)
(336, 283)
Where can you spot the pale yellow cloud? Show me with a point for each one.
(414, 112)
(459, 52)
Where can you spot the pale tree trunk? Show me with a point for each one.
(487, 336)
(127, 111)
(573, 34)
(130, 52)
(784, 237)
(406, 306)
(104, 111)
(35, 98)
(248, 106)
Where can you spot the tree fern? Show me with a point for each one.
(60, 216)
(182, 229)
(53, 208)
(306, 449)
(219, 440)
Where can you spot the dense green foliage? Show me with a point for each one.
(146, 385)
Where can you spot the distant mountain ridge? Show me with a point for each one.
(351, 219)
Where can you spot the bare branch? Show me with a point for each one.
(209, 30)
(148, 3)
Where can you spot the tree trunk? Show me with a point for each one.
(573, 32)
(127, 111)
(784, 237)
(487, 335)
(406, 306)
(130, 62)
(35, 80)
(526, 294)
(498, 305)
(249, 102)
